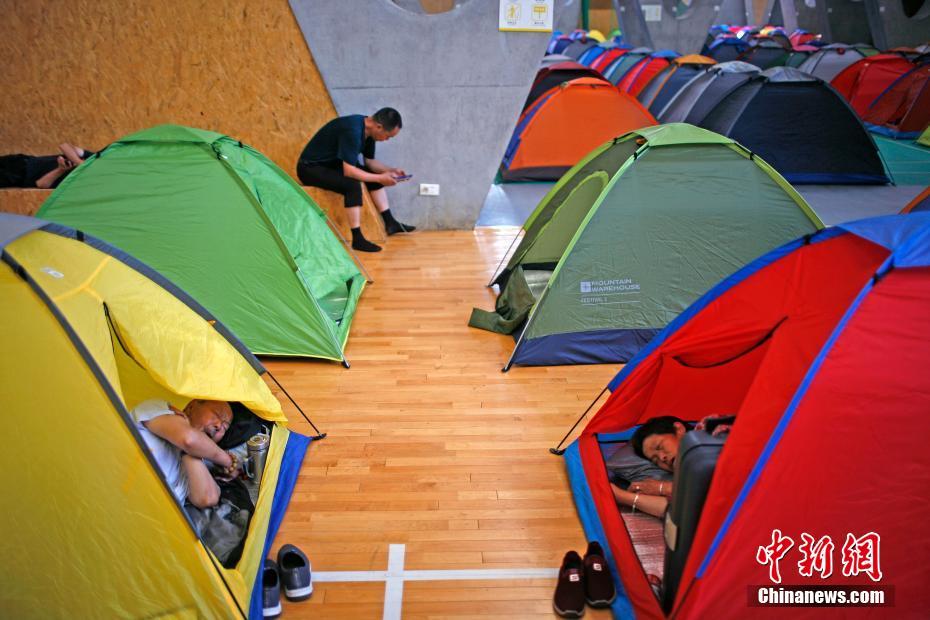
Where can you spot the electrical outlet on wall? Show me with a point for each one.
(429, 189)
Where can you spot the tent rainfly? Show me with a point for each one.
(229, 227)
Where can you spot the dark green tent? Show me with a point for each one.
(631, 236)
(226, 225)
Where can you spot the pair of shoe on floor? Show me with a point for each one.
(291, 573)
(583, 581)
(362, 244)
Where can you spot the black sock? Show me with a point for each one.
(388, 217)
(360, 243)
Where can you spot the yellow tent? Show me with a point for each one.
(90, 529)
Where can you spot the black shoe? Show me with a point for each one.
(271, 590)
(396, 227)
(295, 573)
(569, 597)
(364, 245)
(598, 584)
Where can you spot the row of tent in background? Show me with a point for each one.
(632, 235)
(597, 90)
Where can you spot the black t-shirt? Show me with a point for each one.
(340, 140)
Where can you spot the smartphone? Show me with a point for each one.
(404, 177)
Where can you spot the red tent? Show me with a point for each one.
(549, 77)
(639, 75)
(603, 61)
(821, 348)
(863, 81)
(903, 110)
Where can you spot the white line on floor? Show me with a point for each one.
(395, 576)
(394, 583)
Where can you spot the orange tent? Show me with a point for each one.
(921, 202)
(565, 124)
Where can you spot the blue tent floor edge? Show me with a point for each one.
(294, 452)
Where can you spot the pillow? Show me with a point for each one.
(624, 467)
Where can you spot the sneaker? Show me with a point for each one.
(271, 590)
(396, 227)
(599, 588)
(569, 597)
(295, 573)
(364, 245)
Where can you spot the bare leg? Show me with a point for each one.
(355, 216)
(379, 197)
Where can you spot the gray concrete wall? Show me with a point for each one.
(685, 33)
(892, 28)
(879, 22)
(458, 82)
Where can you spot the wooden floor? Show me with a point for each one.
(431, 446)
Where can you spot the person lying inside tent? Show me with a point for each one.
(180, 441)
(655, 443)
(331, 161)
(44, 171)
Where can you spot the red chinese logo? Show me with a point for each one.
(859, 555)
(773, 553)
(818, 556)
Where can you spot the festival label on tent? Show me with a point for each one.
(525, 16)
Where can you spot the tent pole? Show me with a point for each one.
(503, 258)
(345, 241)
(318, 435)
(558, 450)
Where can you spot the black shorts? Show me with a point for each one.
(329, 176)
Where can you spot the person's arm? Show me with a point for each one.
(177, 430)
(380, 167)
(650, 504)
(48, 179)
(662, 488)
(74, 154)
(354, 172)
(202, 490)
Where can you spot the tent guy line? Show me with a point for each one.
(395, 576)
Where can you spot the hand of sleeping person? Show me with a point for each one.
(718, 430)
(650, 487)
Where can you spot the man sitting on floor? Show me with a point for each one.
(181, 440)
(331, 161)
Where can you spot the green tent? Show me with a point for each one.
(633, 234)
(226, 225)
(924, 138)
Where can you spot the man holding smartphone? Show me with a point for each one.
(331, 161)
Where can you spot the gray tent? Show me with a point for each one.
(827, 62)
(710, 87)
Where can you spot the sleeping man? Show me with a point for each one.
(180, 441)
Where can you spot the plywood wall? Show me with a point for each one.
(90, 71)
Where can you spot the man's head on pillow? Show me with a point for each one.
(657, 440)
